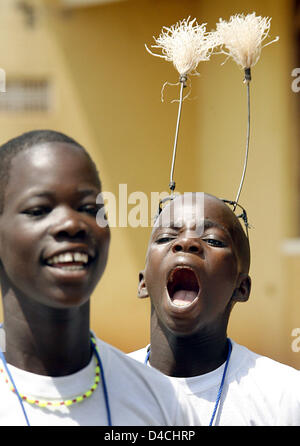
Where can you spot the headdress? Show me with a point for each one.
(187, 43)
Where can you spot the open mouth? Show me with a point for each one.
(183, 286)
(69, 261)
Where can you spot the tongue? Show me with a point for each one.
(183, 297)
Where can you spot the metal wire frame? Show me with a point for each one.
(243, 215)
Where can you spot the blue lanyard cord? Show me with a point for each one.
(147, 355)
(95, 351)
(103, 385)
(222, 381)
(14, 385)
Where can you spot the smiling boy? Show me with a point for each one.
(195, 273)
(52, 255)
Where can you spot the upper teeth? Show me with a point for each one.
(69, 257)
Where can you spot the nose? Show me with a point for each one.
(187, 244)
(69, 224)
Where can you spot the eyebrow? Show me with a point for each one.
(50, 195)
(207, 225)
(85, 192)
(213, 224)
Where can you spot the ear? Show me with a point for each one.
(142, 289)
(242, 292)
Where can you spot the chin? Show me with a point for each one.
(181, 327)
(64, 300)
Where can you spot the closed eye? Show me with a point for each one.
(37, 211)
(164, 239)
(215, 243)
(91, 209)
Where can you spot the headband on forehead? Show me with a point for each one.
(187, 43)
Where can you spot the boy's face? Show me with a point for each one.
(193, 277)
(51, 248)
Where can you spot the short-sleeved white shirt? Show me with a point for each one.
(138, 396)
(258, 391)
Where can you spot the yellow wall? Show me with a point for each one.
(106, 93)
(270, 191)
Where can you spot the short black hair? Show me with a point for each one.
(24, 141)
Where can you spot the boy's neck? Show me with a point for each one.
(47, 341)
(187, 356)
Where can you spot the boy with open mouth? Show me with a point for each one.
(195, 273)
(53, 253)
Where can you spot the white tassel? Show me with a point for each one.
(185, 44)
(242, 36)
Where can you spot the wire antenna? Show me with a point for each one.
(185, 44)
(247, 80)
(182, 81)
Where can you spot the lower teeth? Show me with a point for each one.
(72, 268)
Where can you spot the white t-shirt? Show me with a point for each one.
(258, 391)
(138, 396)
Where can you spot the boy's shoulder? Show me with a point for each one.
(260, 362)
(146, 386)
(245, 363)
(249, 366)
(112, 353)
(115, 358)
(139, 355)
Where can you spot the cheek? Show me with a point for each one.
(223, 272)
(156, 256)
(102, 239)
(17, 249)
(156, 286)
(224, 264)
(153, 289)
